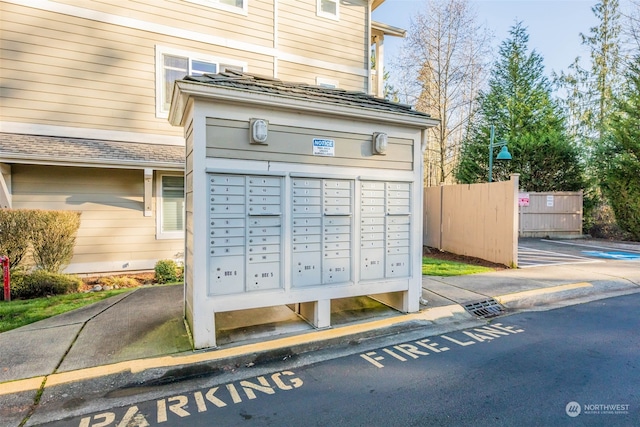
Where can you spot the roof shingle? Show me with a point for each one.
(259, 84)
(61, 149)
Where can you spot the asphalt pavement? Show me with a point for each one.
(573, 366)
(140, 338)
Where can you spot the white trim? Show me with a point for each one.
(5, 186)
(326, 82)
(89, 133)
(137, 24)
(161, 113)
(110, 266)
(160, 234)
(222, 6)
(323, 14)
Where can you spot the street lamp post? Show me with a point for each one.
(502, 155)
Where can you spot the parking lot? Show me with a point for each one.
(539, 252)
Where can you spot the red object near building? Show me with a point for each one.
(7, 281)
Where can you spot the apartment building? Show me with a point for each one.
(86, 90)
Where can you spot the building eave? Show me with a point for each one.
(388, 30)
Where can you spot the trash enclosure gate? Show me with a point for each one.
(308, 206)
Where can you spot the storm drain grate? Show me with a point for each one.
(485, 308)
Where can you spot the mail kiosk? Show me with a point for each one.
(297, 195)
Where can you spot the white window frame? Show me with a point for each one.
(161, 51)
(327, 15)
(327, 83)
(160, 233)
(244, 10)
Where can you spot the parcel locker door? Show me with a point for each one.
(338, 269)
(226, 275)
(307, 268)
(372, 263)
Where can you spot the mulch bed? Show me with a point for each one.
(447, 256)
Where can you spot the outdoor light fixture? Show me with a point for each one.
(502, 155)
(380, 142)
(259, 131)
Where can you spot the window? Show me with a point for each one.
(236, 6)
(329, 9)
(173, 64)
(170, 207)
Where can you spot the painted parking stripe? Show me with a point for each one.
(530, 257)
(609, 248)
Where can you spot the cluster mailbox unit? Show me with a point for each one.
(297, 195)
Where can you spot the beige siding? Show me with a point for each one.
(256, 27)
(230, 139)
(113, 228)
(344, 41)
(293, 72)
(70, 71)
(67, 71)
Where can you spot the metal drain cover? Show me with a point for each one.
(485, 309)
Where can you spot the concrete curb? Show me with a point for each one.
(543, 298)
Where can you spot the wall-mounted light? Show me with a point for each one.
(380, 142)
(259, 131)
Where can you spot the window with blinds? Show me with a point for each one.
(171, 205)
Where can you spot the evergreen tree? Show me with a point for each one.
(620, 156)
(519, 104)
(604, 43)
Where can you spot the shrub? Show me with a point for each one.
(54, 238)
(15, 234)
(168, 271)
(41, 283)
(119, 281)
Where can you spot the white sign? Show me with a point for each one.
(523, 199)
(550, 201)
(324, 147)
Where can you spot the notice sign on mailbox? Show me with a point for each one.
(324, 147)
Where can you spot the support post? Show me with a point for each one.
(148, 187)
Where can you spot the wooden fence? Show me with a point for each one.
(557, 214)
(478, 220)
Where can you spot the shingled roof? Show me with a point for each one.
(61, 150)
(266, 85)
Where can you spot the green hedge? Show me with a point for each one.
(16, 226)
(51, 236)
(168, 271)
(42, 283)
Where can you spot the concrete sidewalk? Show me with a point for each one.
(141, 334)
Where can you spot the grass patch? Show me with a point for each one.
(14, 314)
(438, 267)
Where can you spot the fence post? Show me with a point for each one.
(515, 179)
